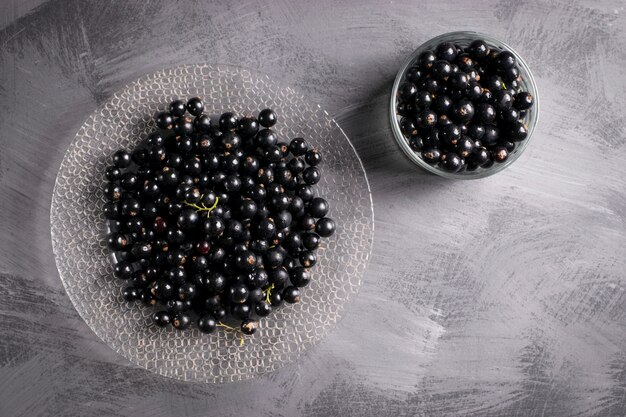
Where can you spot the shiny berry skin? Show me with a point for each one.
(427, 119)
(296, 206)
(113, 192)
(300, 276)
(188, 219)
(505, 59)
(408, 127)
(451, 162)
(123, 270)
(298, 147)
(177, 108)
(130, 207)
(464, 147)
(214, 226)
(240, 311)
(112, 210)
(485, 113)
(480, 156)
(510, 75)
(416, 143)
(510, 115)
(325, 227)
(279, 276)
(162, 318)
(202, 123)
(305, 192)
(113, 173)
(492, 82)
(291, 295)
(262, 309)
(147, 298)
(523, 101)
(311, 240)
(474, 91)
(478, 50)
(187, 291)
(266, 138)
(500, 154)
(465, 62)
(431, 155)
(413, 74)
(423, 99)
(207, 324)
(442, 104)
(442, 70)
(313, 157)
(183, 126)
(228, 121)
(267, 118)
(296, 165)
(491, 136)
(407, 91)
(426, 60)
(476, 131)
(162, 289)
(248, 126)
(446, 51)
(195, 106)
(129, 181)
(181, 321)
(238, 294)
(130, 294)
(283, 219)
(272, 153)
(509, 146)
(193, 195)
(249, 326)
(164, 120)
(318, 207)
(432, 85)
(121, 158)
(246, 261)
(460, 80)
(502, 99)
(293, 243)
(308, 259)
(518, 131)
(463, 111)
(311, 175)
(450, 134)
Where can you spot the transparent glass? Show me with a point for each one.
(464, 38)
(79, 230)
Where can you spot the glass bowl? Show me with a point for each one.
(464, 38)
(78, 228)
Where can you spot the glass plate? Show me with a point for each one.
(84, 263)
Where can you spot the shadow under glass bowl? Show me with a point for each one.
(527, 83)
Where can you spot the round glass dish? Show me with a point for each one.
(78, 228)
(464, 38)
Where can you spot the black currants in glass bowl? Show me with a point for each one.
(464, 105)
(215, 221)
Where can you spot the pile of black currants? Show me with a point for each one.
(463, 108)
(215, 222)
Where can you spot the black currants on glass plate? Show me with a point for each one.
(463, 105)
(215, 222)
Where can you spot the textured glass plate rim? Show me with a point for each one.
(401, 140)
(341, 313)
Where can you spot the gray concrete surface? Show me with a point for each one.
(499, 297)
